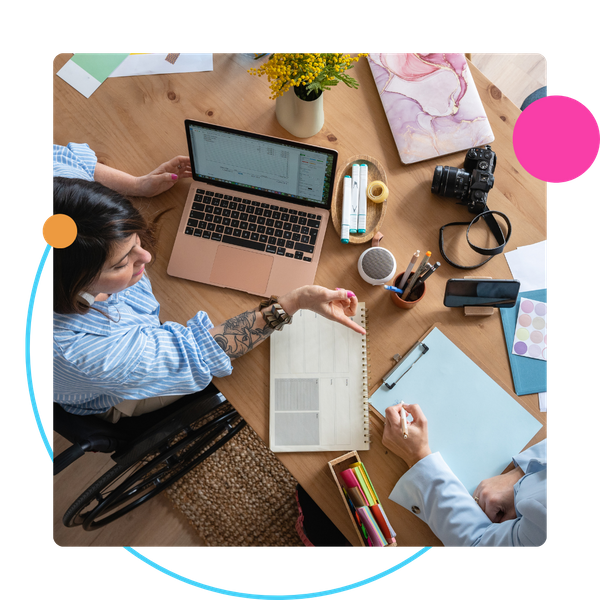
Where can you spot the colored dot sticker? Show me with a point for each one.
(530, 331)
(60, 231)
(534, 351)
(537, 337)
(525, 320)
(556, 139)
(520, 347)
(526, 306)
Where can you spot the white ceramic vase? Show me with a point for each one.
(302, 118)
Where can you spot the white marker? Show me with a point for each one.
(354, 197)
(362, 199)
(346, 207)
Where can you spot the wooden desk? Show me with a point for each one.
(136, 123)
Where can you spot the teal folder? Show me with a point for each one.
(473, 422)
(529, 374)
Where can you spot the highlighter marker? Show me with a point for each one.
(375, 534)
(350, 481)
(362, 199)
(354, 197)
(345, 236)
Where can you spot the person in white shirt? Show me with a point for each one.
(507, 510)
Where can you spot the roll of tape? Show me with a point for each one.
(377, 191)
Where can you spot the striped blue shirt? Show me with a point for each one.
(74, 161)
(100, 361)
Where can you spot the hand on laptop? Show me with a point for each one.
(160, 180)
(164, 177)
(337, 305)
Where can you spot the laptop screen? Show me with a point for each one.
(262, 165)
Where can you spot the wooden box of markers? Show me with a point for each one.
(342, 463)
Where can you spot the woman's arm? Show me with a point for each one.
(160, 180)
(238, 335)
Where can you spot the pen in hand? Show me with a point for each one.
(403, 420)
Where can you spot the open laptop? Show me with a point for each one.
(257, 211)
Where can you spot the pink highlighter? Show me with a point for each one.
(351, 483)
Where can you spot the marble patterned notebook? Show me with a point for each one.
(431, 103)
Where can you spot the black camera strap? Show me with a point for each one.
(488, 217)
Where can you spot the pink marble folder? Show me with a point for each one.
(431, 103)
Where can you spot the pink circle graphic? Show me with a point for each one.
(527, 306)
(544, 353)
(556, 139)
(540, 309)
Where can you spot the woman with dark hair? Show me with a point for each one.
(112, 355)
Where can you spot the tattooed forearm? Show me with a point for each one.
(241, 333)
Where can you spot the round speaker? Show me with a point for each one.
(376, 265)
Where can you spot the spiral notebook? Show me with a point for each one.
(318, 385)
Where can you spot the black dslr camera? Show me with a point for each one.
(471, 184)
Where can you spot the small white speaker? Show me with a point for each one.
(376, 265)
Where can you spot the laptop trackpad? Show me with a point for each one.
(241, 270)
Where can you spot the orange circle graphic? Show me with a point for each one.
(60, 231)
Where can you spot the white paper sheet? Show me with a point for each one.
(528, 265)
(156, 64)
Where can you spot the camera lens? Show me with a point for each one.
(437, 178)
(450, 182)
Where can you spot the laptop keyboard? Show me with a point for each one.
(256, 225)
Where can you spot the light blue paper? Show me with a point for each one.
(472, 421)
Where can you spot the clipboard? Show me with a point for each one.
(474, 422)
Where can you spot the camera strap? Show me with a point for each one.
(488, 217)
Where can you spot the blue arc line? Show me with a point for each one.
(26, 351)
(235, 593)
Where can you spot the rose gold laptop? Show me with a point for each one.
(256, 213)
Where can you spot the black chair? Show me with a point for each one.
(151, 452)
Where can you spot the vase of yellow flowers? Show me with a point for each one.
(297, 83)
(302, 118)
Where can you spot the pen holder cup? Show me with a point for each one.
(415, 294)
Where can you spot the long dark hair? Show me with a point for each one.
(103, 218)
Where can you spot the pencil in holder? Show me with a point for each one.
(413, 298)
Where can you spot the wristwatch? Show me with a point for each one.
(275, 317)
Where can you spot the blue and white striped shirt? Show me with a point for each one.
(100, 361)
(74, 161)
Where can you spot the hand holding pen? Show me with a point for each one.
(415, 446)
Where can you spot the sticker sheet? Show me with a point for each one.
(531, 331)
